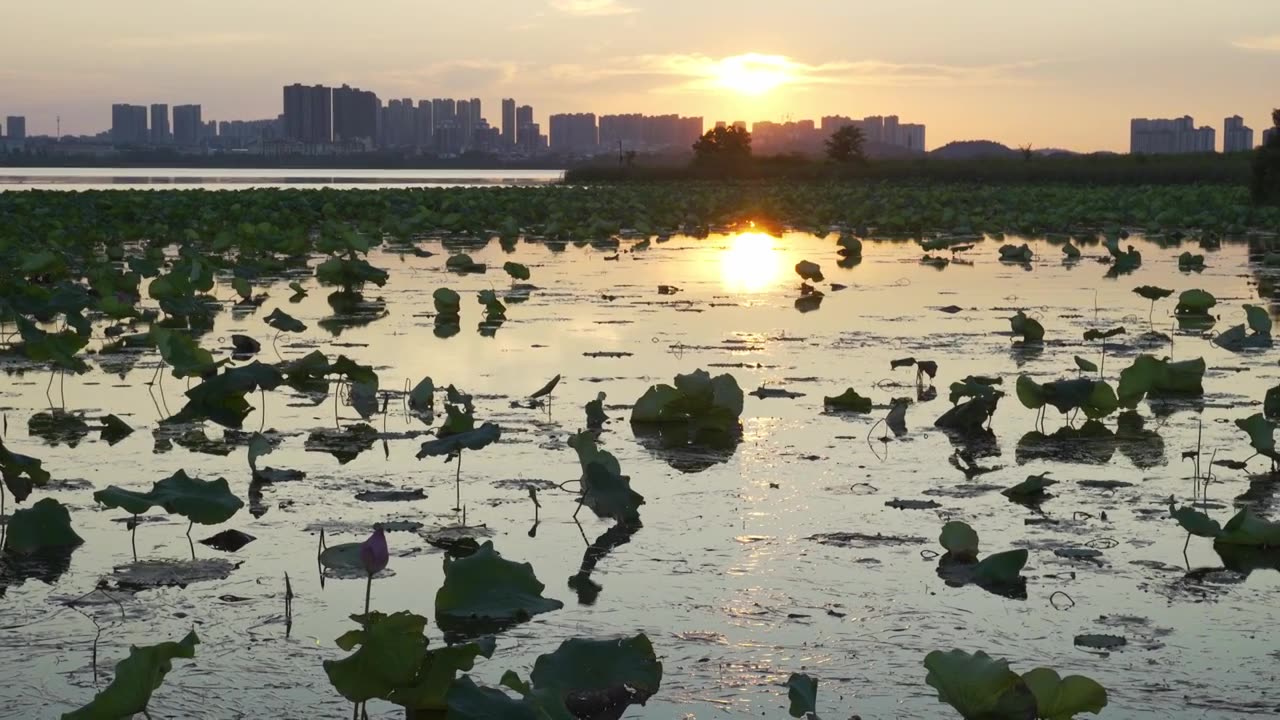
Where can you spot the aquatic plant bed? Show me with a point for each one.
(647, 451)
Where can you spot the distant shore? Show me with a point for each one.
(1100, 169)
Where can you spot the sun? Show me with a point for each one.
(751, 263)
(753, 73)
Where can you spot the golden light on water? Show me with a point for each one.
(751, 264)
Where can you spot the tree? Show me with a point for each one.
(1265, 183)
(845, 145)
(723, 144)
(1027, 152)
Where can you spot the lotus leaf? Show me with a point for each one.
(1060, 698)
(959, 540)
(809, 271)
(1195, 302)
(452, 444)
(516, 270)
(978, 686)
(21, 473)
(485, 587)
(1028, 327)
(284, 322)
(594, 676)
(136, 678)
(1248, 529)
(44, 525)
(1195, 522)
(848, 401)
(802, 691)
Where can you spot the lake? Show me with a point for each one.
(80, 179)
(808, 543)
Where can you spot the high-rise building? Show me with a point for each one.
(355, 115)
(508, 121)
(129, 124)
(910, 136)
(187, 126)
(422, 124)
(1236, 136)
(574, 133)
(159, 124)
(648, 132)
(17, 125)
(1170, 136)
(1269, 135)
(308, 113)
(524, 117)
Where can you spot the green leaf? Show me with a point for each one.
(134, 503)
(516, 270)
(180, 351)
(242, 288)
(802, 691)
(1029, 328)
(809, 271)
(1258, 318)
(979, 687)
(697, 398)
(624, 670)
(1250, 530)
(452, 444)
(1102, 401)
(468, 701)
(960, 540)
(207, 502)
(1085, 365)
(1030, 393)
(485, 587)
(462, 263)
(609, 494)
(1063, 698)
(284, 322)
(1018, 253)
(447, 302)
(1033, 486)
(58, 349)
(430, 687)
(1195, 302)
(589, 453)
(1091, 335)
(545, 390)
(349, 272)
(1195, 522)
(656, 405)
(1001, 569)
(422, 398)
(298, 290)
(975, 386)
(391, 650)
(21, 473)
(1152, 292)
(46, 524)
(848, 401)
(136, 678)
(259, 445)
(1261, 433)
(343, 556)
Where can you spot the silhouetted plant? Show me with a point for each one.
(846, 145)
(723, 144)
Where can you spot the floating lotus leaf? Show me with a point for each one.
(848, 401)
(1248, 529)
(135, 679)
(284, 322)
(486, 588)
(809, 271)
(45, 525)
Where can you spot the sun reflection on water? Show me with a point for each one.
(751, 264)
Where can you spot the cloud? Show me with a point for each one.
(592, 8)
(1264, 43)
(701, 73)
(191, 41)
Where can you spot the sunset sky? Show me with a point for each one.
(1054, 74)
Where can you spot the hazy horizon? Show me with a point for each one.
(1065, 76)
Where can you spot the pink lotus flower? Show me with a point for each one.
(374, 553)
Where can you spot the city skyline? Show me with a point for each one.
(980, 70)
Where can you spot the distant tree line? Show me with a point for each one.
(1265, 181)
